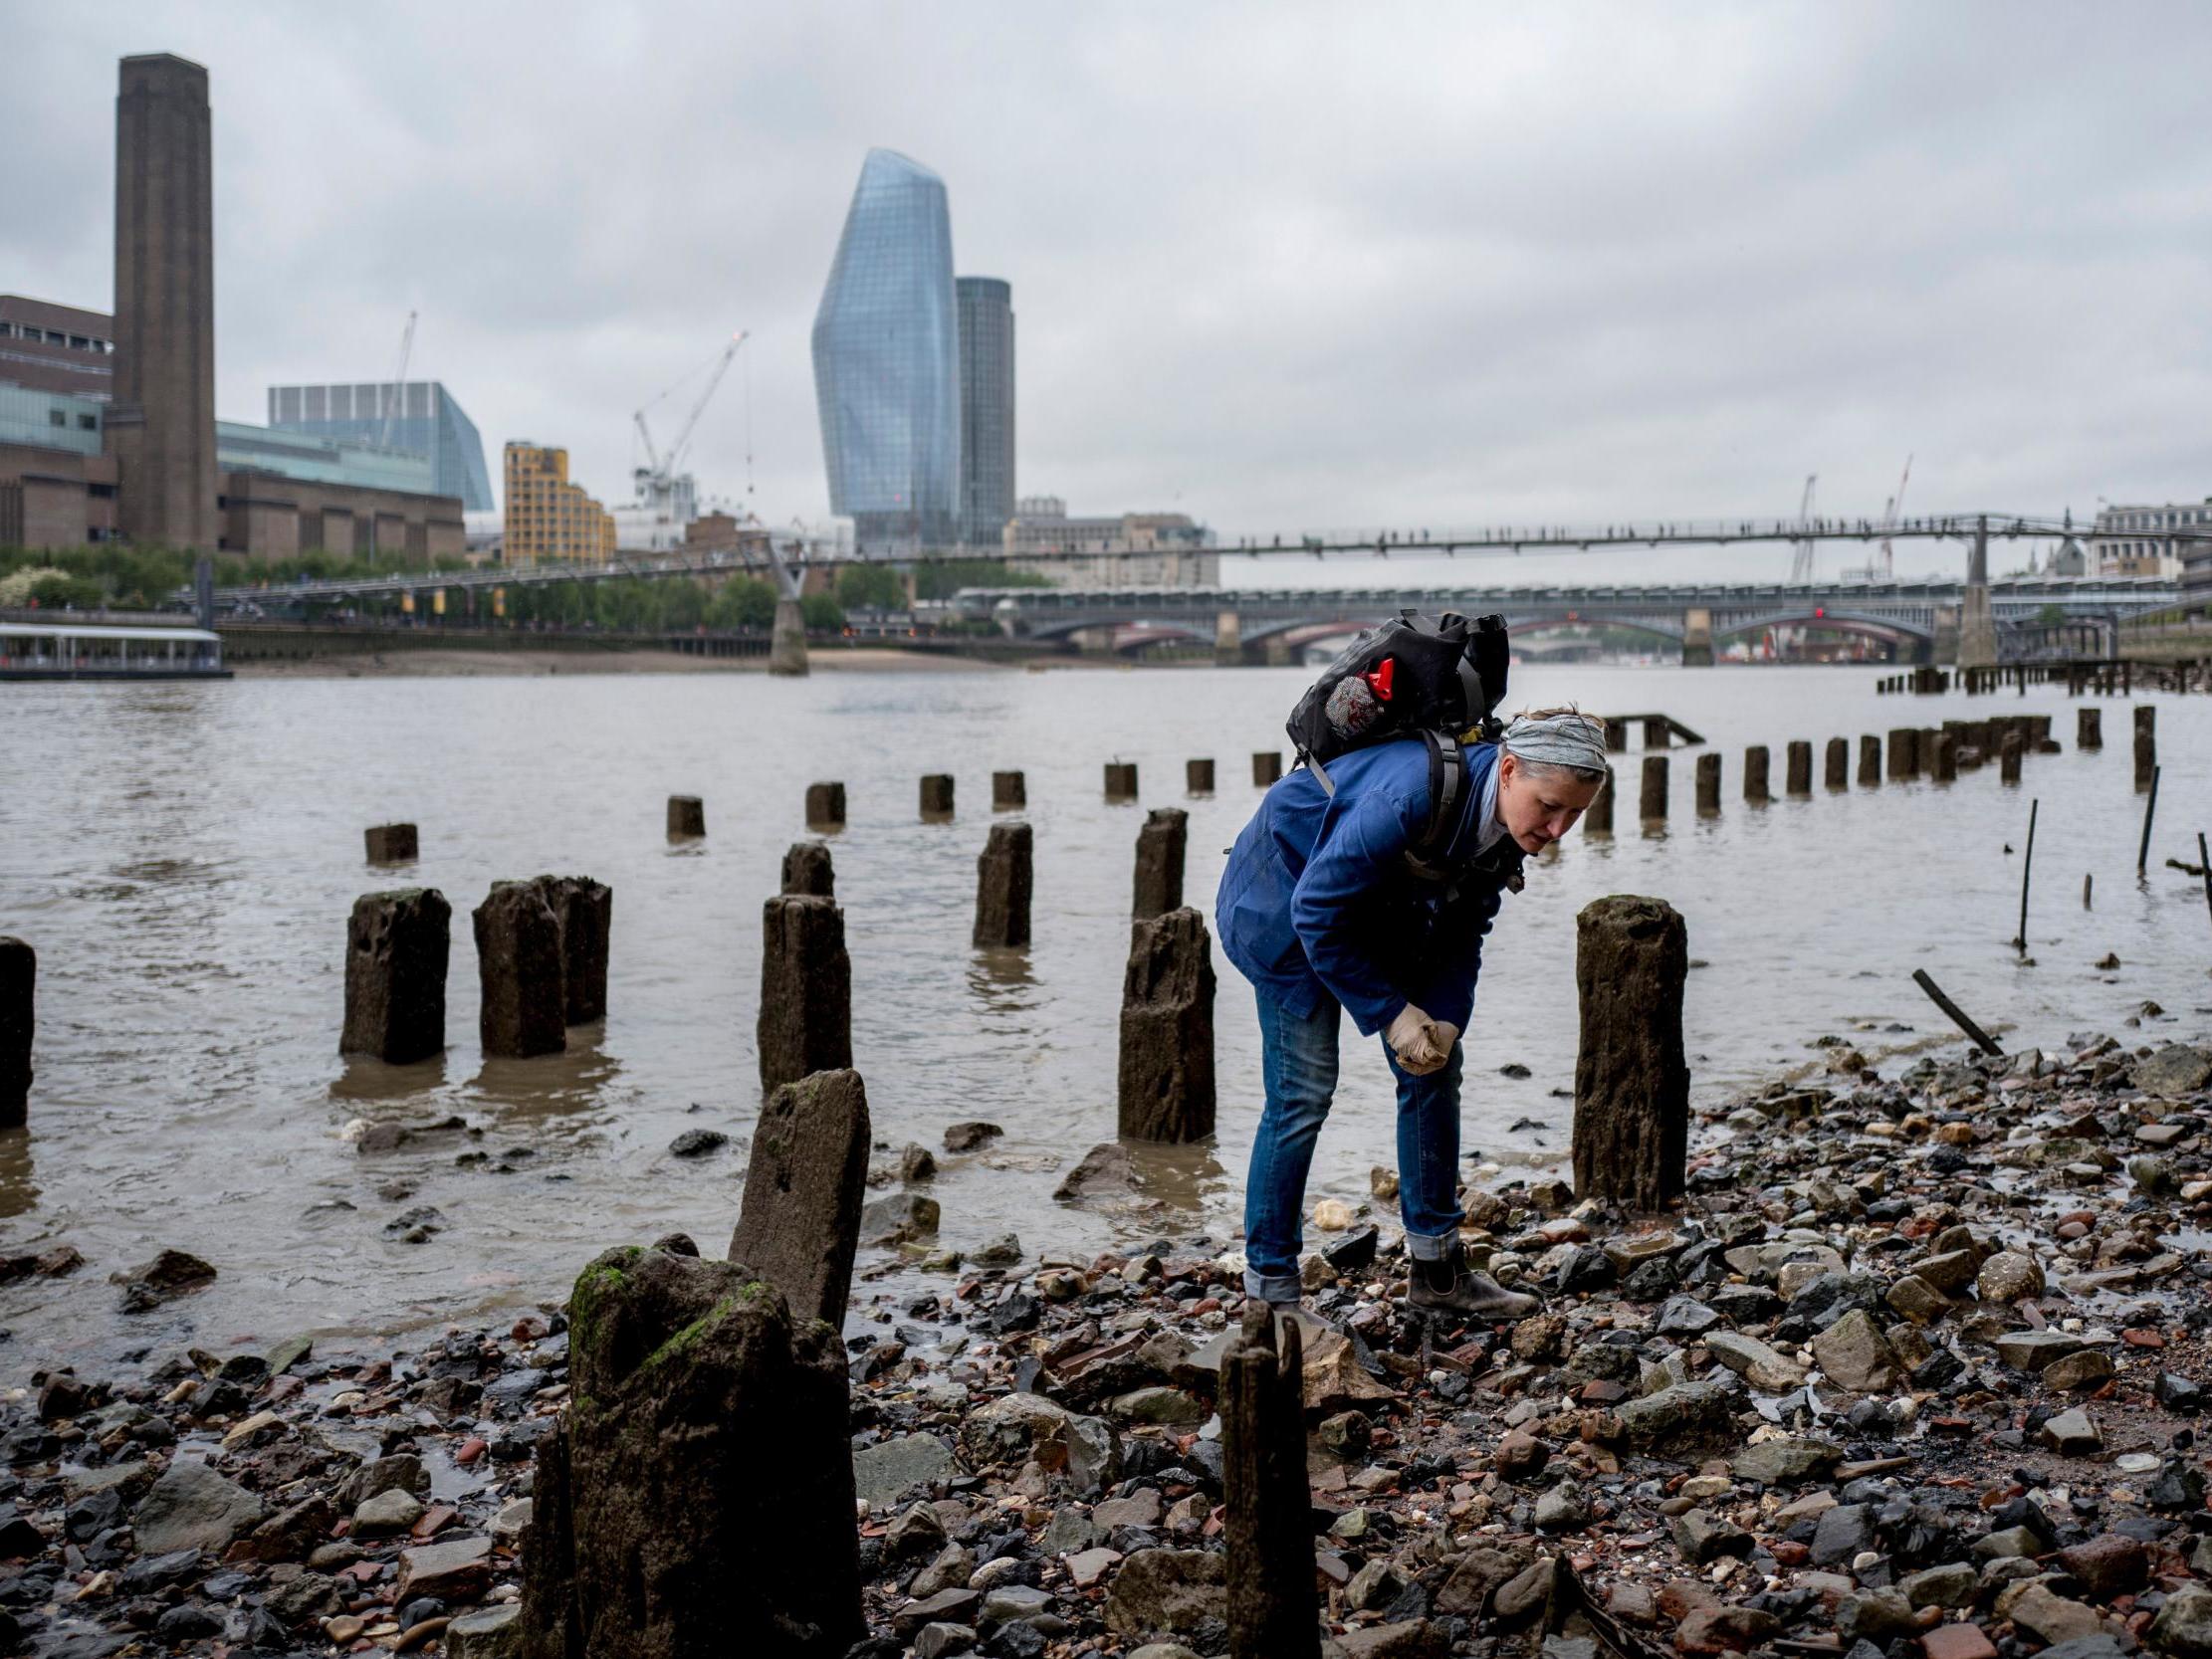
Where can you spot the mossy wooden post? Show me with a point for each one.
(1161, 844)
(397, 946)
(1599, 819)
(1005, 881)
(807, 869)
(800, 1224)
(522, 973)
(1267, 1500)
(2008, 756)
(2089, 729)
(1632, 1082)
(19, 978)
(1943, 757)
(2146, 756)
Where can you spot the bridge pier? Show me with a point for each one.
(1698, 638)
(787, 644)
(1276, 649)
(1977, 628)
(1228, 640)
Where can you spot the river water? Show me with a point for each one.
(184, 857)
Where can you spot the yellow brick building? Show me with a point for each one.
(549, 520)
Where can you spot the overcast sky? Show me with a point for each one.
(1281, 267)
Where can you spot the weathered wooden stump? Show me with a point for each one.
(1943, 757)
(937, 795)
(19, 983)
(1799, 780)
(800, 1221)
(687, 817)
(1632, 1083)
(1266, 767)
(2146, 760)
(805, 1022)
(1658, 731)
(1121, 780)
(1167, 1030)
(585, 910)
(1756, 785)
(1004, 880)
(1268, 1497)
(1905, 753)
(1198, 778)
(2009, 753)
(397, 946)
(1869, 761)
(391, 843)
(1617, 737)
(1708, 783)
(1009, 791)
(2146, 717)
(1159, 849)
(696, 1499)
(519, 970)
(1598, 820)
(825, 806)
(1837, 774)
(1650, 803)
(807, 869)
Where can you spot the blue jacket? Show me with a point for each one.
(1317, 896)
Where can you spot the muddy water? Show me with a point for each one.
(184, 857)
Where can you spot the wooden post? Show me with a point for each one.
(1652, 806)
(1121, 780)
(521, 972)
(1945, 754)
(1755, 785)
(1159, 852)
(825, 806)
(1869, 761)
(1905, 753)
(937, 796)
(2147, 758)
(1004, 884)
(2027, 869)
(1837, 770)
(2007, 757)
(1982, 1039)
(1632, 1082)
(2089, 729)
(397, 946)
(2146, 718)
(1267, 1500)
(2086, 878)
(1658, 731)
(1166, 1073)
(2204, 871)
(1598, 820)
(1800, 777)
(2151, 808)
(1708, 783)
(805, 1020)
(807, 869)
(1009, 791)
(1198, 778)
(391, 843)
(19, 978)
(687, 817)
(1266, 767)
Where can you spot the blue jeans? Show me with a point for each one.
(1298, 1068)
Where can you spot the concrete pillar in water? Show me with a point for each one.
(1755, 783)
(19, 981)
(397, 946)
(520, 973)
(1905, 753)
(1004, 880)
(1698, 637)
(1870, 761)
(1837, 775)
(2147, 758)
(1632, 1082)
(687, 817)
(1799, 780)
(1266, 767)
(1658, 731)
(584, 908)
(1943, 755)
(2007, 757)
(1009, 791)
(1598, 820)
(1121, 780)
(800, 1224)
(937, 795)
(805, 1022)
(391, 843)
(1708, 783)
(1228, 640)
(1651, 802)
(825, 806)
(787, 644)
(807, 869)
(1198, 778)
(1159, 849)
(1167, 1030)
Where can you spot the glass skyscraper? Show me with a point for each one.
(423, 420)
(887, 360)
(985, 409)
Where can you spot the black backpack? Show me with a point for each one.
(1410, 678)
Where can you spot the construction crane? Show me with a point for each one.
(656, 480)
(1889, 522)
(1801, 551)
(398, 383)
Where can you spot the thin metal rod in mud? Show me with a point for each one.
(2204, 869)
(2027, 866)
(1982, 1039)
(2150, 805)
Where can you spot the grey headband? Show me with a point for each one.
(1566, 739)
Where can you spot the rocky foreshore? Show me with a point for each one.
(1914, 1372)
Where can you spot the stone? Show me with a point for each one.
(1957, 1641)
(971, 1137)
(697, 1496)
(1874, 1615)
(1679, 1420)
(1684, 1316)
(899, 1215)
(2044, 1613)
(805, 1019)
(1840, 1533)
(2032, 1351)
(2009, 1275)
(1166, 1071)
(1418, 1638)
(2109, 1565)
(1171, 1590)
(800, 1224)
(698, 1143)
(807, 869)
(949, 1606)
(1855, 1355)
(1160, 853)
(2089, 1369)
(1106, 1169)
(1712, 1630)
(1004, 882)
(2183, 1627)
(1754, 1361)
(1917, 1300)
(1950, 1584)
(386, 1514)
(885, 1471)
(396, 949)
(191, 1506)
(486, 1634)
(1703, 1538)
(1632, 1082)
(1788, 1462)
(1562, 1509)
(2174, 1071)
(459, 1569)
(2073, 1433)
(519, 968)
(917, 1532)
(584, 911)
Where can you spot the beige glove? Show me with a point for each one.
(1412, 1038)
(1444, 1034)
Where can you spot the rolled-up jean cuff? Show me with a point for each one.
(1428, 1246)
(1274, 1288)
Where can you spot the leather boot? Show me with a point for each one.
(1450, 1286)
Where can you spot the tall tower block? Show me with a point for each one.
(161, 424)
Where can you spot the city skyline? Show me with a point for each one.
(1430, 270)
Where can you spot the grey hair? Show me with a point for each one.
(1543, 768)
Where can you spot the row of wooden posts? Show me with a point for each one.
(2101, 678)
